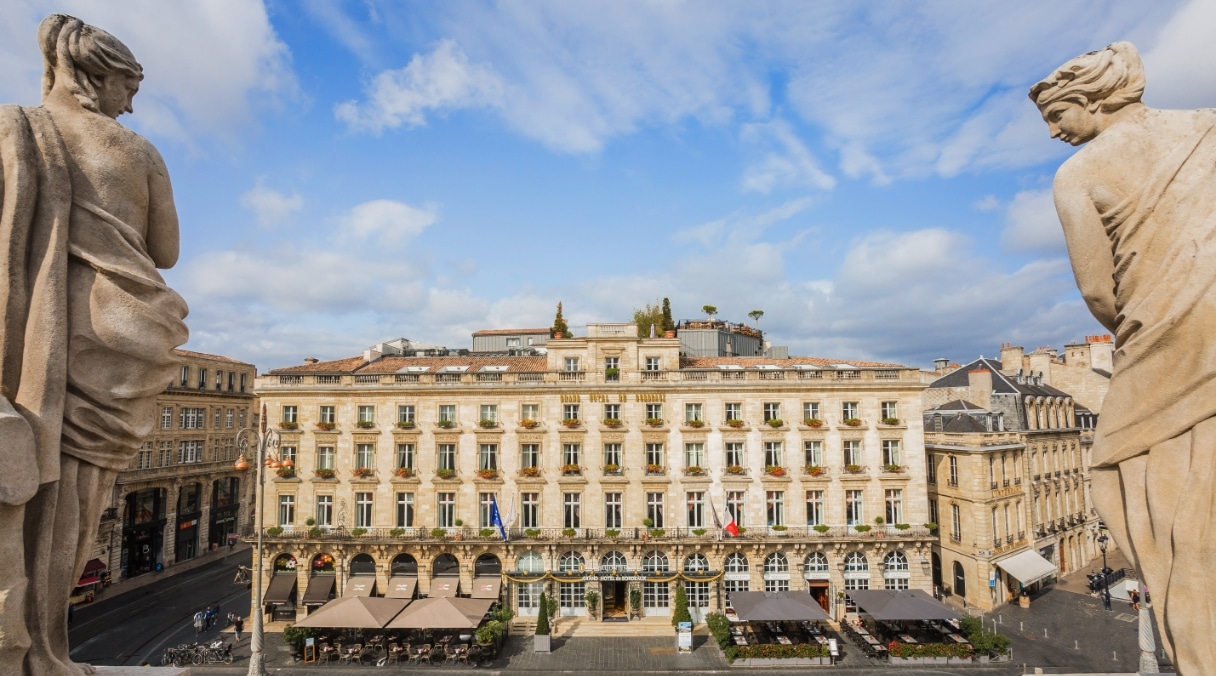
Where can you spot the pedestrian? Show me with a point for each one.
(1135, 600)
(199, 618)
(238, 626)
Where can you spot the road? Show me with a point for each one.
(136, 627)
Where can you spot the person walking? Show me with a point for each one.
(238, 626)
(199, 618)
(1135, 599)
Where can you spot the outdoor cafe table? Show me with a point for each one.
(956, 638)
(907, 639)
(739, 640)
(783, 639)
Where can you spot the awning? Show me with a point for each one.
(444, 586)
(775, 606)
(904, 604)
(354, 613)
(486, 587)
(281, 588)
(86, 581)
(93, 567)
(401, 587)
(442, 613)
(319, 589)
(1027, 567)
(360, 585)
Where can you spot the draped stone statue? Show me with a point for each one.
(1138, 207)
(87, 325)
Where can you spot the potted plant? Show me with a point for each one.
(487, 473)
(529, 471)
(447, 424)
(648, 522)
(396, 532)
(533, 533)
(774, 422)
(862, 528)
(879, 520)
(365, 424)
(813, 422)
(439, 532)
(681, 613)
(405, 424)
(459, 523)
(571, 469)
(612, 533)
(653, 468)
(325, 426)
(853, 469)
(654, 422)
(570, 422)
(404, 472)
(274, 531)
(735, 469)
(612, 373)
(315, 532)
(735, 423)
(541, 641)
(444, 473)
(487, 423)
(902, 526)
(821, 528)
(285, 472)
(592, 600)
(569, 532)
(635, 601)
(814, 470)
(779, 529)
(890, 421)
(486, 533)
(362, 472)
(529, 424)
(284, 425)
(695, 424)
(699, 532)
(894, 469)
(930, 526)
(324, 473)
(612, 422)
(852, 422)
(612, 468)
(774, 470)
(695, 470)
(356, 532)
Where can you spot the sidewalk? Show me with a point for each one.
(240, 553)
(1076, 582)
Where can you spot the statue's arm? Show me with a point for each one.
(1089, 248)
(163, 238)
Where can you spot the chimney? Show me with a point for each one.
(1011, 357)
(979, 381)
(1101, 352)
(940, 364)
(311, 360)
(1040, 361)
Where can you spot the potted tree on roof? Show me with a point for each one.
(541, 642)
(560, 329)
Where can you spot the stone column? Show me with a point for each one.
(169, 540)
(204, 519)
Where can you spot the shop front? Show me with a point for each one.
(143, 532)
(189, 514)
(225, 505)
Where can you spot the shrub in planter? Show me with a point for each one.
(571, 469)
(612, 468)
(648, 522)
(404, 472)
(592, 600)
(356, 532)
(822, 528)
(530, 471)
(896, 469)
(542, 619)
(365, 424)
(698, 532)
(773, 470)
(445, 473)
(853, 469)
(288, 425)
(879, 520)
(654, 422)
(295, 637)
(852, 422)
(890, 421)
(635, 600)
(286, 472)
(813, 422)
(405, 424)
(902, 526)
(735, 469)
(681, 613)
(719, 628)
(315, 532)
(696, 424)
(775, 422)
(814, 470)
(274, 531)
(734, 422)
(487, 423)
(528, 423)
(447, 424)
(310, 521)
(397, 532)
(486, 532)
(656, 532)
(654, 469)
(694, 470)
(612, 533)
(325, 426)
(780, 528)
(862, 528)
(488, 633)
(487, 473)
(569, 532)
(532, 532)
(323, 473)
(439, 532)
(570, 422)
(363, 472)
(612, 422)
(930, 526)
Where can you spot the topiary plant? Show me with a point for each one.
(542, 620)
(681, 613)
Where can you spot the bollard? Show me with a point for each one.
(1001, 618)
(1020, 627)
(1044, 632)
(1116, 653)
(1076, 645)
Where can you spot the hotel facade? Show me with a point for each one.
(613, 461)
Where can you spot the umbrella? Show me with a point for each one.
(355, 612)
(775, 606)
(442, 613)
(904, 604)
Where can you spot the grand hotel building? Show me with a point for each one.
(614, 454)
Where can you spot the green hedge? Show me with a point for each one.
(898, 649)
(775, 652)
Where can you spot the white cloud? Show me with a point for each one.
(1032, 224)
(986, 203)
(1181, 66)
(388, 221)
(783, 162)
(436, 82)
(270, 206)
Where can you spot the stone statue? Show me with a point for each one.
(87, 325)
(1138, 207)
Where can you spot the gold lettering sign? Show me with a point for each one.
(650, 397)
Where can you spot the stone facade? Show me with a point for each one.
(1083, 370)
(613, 454)
(181, 495)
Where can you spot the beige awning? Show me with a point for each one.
(319, 589)
(442, 613)
(360, 585)
(444, 586)
(401, 587)
(354, 612)
(1027, 567)
(281, 588)
(486, 587)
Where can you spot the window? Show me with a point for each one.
(652, 364)
(572, 511)
(218, 414)
(854, 508)
(447, 413)
(513, 342)
(571, 364)
(736, 506)
(405, 413)
(612, 369)
(144, 459)
(185, 376)
(570, 412)
(956, 527)
(814, 508)
(612, 511)
(612, 457)
(363, 509)
(849, 410)
(529, 412)
(405, 510)
(612, 411)
(931, 469)
(775, 507)
(810, 410)
(447, 456)
(953, 471)
(365, 456)
(856, 576)
(813, 452)
(654, 411)
(734, 411)
(287, 510)
(773, 457)
(193, 418)
(654, 454)
(529, 455)
(489, 412)
(529, 514)
(572, 454)
(166, 453)
(776, 573)
(367, 415)
(734, 454)
(487, 456)
(219, 379)
(655, 595)
(654, 508)
(405, 456)
(447, 510)
(325, 457)
(325, 510)
(696, 563)
(231, 381)
(895, 505)
(655, 562)
(890, 410)
(190, 451)
(772, 411)
(242, 418)
(202, 379)
(485, 509)
(242, 382)
(890, 452)
(288, 453)
(694, 455)
(852, 451)
(933, 512)
(816, 563)
(696, 510)
(896, 573)
(228, 419)
(166, 417)
(692, 413)
(736, 573)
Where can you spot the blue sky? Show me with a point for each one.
(871, 175)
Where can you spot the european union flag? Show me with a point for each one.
(495, 519)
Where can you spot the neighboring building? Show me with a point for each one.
(712, 338)
(1008, 476)
(613, 454)
(181, 495)
(1083, 370)
(509, 340)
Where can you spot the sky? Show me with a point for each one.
(871, 175)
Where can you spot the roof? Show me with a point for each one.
(1001, 383)
(774, 606)
(212, 357)
(823, 362)
(509, 332)
(957, 405)
(962, 423)
(900, 605)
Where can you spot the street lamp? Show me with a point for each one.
(1102, 540)
(265, 444)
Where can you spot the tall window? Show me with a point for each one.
(613, 511)
(572, 510)
(694, 455)
(890, 452)
(692, 413)
(363, 509)
(405, 413)
(572, 454)
(654, 454)
(775, 507)
(242, 382)
(325, 457)
(446, 513)
(849, 410)
(734, 454)
(931, 469)
(365, 456)
(852, 451)
(190, 451)
(612, 455)
(736, 573)
(529, 455)
(405, 510)
(185, 376)
(733, 410)
(956, 527)
(736, 506)
(810, 410)
(489, 412)
(194, 418)
(814, 508)
(856, 575)
(890, 409)
(447, 413)
(485, 508)
(854, 505)
(933, 512)
(529, 510)
(772, 454)
(447, 456)
(327, 415)
(772, 411)
(202, 379)
(166, 417)
(287, 453)
(953, 471)
(696, 509)
(367, 414)
(813, 452)
(325, 510)
(896, 572)
(895, 505)
(405, 456)
(612, 411)
(654, 508)
(612, 369)
(570, 412)
(654, 411)
(287, 510)
(228, 419)
(241, 418)
(487, 456)
(218, 412)
(219, 379)
(529, 412)
(776, 573)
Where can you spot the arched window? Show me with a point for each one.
(856, 562)
(284, 563)
(776, 572)
(960, 580)
(655, 562)
(697, 563)
(530, 562)
(736, 577)
(614, 561)
(896, 574)
(776, 563)
(570, 562)
(816, 565)
(736, 563)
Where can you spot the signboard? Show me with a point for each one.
(684, 638)
(310, 650)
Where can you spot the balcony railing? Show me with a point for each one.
(638, 533)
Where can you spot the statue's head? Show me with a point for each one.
(1093, 84)
(96, 67)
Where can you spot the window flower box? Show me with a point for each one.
(487, 423)
(325, 426)
(853, 469)
(695, 424)
(890, 421)
(445, 473)
(405, 424)
(893, 469)
(612, 422)
(821, 528)
(570, 422)
(323, 473)
(569, 532)
(813, 422)
(487, 473)
(694, 470)
(362, 472)
(570, 470)
(286, 472)
(815, 470)
(654, 422)
(365, 424)
(774, 422)
(774, 470)
(357, 532)
(737, 470)
(612, 468)
(529, 471)
(529, 424)
(852, 422)
(284, 425)
(655, 469)
(735, 423)
(396, 532)
(447, 424)
(404, 472)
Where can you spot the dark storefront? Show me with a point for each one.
(189, 514)
(225, 503)
(143, 532)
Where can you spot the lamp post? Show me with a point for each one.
(265, 445)
(1102, 540)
